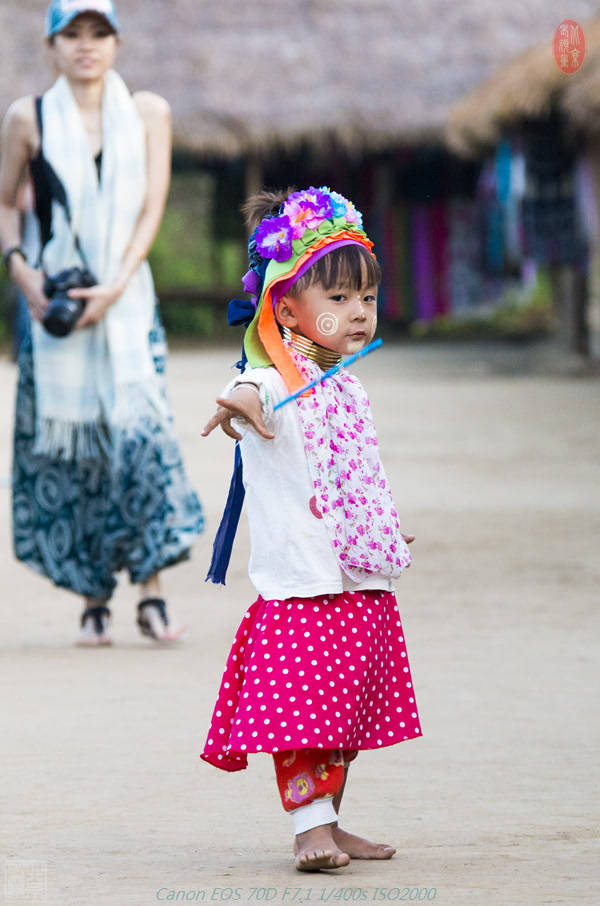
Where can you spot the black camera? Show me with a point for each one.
(63, 312)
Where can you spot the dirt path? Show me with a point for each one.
(496, 470)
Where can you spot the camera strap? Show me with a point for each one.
(50, 188)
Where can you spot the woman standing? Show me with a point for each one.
(98, 481)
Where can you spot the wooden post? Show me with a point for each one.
(581, 334)
(383, 184)
(570, 285)
(593, 306)
(253, 183)
(254, 175)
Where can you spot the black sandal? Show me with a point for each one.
(153, 621)
(94, 624)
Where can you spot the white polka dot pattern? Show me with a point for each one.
(329, 672)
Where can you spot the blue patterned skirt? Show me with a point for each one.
(80, 522)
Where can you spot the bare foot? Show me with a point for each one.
(316, 848)
(359, 848)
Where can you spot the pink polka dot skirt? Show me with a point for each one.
(329, 672)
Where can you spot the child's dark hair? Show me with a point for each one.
(351, 265)
(266, 203)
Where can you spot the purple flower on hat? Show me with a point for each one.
(274, 238)
(321, 201)
(314, 205)
(303, 215)
(352, 215)
(250, 282)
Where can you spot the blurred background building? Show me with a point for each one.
(473, 157)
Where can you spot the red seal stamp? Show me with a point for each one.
(569, 46)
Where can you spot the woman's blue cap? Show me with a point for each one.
(61, 12)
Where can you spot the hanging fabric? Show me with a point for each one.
(423, 263)
(439, 232)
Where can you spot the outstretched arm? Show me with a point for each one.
(243, 403)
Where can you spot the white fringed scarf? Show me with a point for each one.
(101, 375)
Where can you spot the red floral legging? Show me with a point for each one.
(304, 775)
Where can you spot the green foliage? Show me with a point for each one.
(521, 314)
(181, 254)
(7, 307)
(183, 319)
(524, 314)
(186, 252)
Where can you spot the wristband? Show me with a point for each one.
(16, 249)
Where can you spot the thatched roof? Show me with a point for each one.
(529, 87)
(243, 75)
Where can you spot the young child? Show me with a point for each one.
(318, 669)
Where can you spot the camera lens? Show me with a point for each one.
(61, 315)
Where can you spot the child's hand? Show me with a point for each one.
(409, 540)
(243, 403)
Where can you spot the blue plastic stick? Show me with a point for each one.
(357, 355)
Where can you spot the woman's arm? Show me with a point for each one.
(156, 116)
(19, 141)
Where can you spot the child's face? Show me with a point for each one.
(341, 318)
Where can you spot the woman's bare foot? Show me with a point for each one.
(316, 848)
(359, 848)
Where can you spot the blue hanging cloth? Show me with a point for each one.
(239, 311)
(224, 538)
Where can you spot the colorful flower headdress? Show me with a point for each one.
(310, 224)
